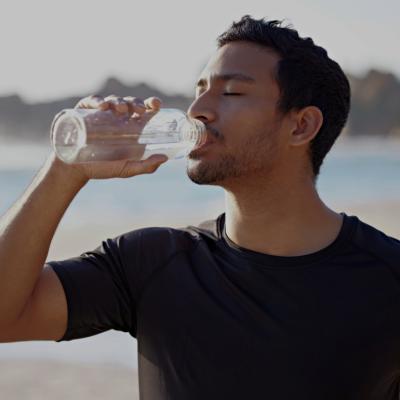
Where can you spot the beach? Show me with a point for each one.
(43, 378)
(360, 178)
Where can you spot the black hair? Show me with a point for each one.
(305, 75)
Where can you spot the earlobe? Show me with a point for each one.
(308, 123)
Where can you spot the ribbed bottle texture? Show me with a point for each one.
(87, 135)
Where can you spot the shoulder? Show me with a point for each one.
(144, 252)
(378, 244)
(164, 242)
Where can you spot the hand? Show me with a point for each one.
(139, 112)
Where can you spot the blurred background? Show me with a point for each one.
(55, 52)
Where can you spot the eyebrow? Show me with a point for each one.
(227, 77)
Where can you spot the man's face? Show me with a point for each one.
(236, 97)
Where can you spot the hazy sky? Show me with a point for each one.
(52, 48)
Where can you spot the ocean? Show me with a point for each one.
(355, 171)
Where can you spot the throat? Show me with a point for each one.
(286, 237)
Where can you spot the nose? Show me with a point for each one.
(202, 109)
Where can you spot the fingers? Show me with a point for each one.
(116, 104)
(121, 168)
(121, 105)
(125, 105)
(153, 103)
(147, 166)
(135, 105)
(151, 163)
(92, 101)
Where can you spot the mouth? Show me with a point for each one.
(204, 144)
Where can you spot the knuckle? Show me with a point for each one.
(152, 102)
(129, 98)
(110, 97)
(135, 101)
(138, 101)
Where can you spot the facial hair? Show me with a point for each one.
(255, 156)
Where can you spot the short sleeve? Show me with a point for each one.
(104, 287)
(98, 292)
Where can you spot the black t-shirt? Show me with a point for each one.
(217, 321)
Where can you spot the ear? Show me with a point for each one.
(308, 122)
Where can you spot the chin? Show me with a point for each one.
(210, 172)
(201, 172)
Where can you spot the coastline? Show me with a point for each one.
(70, 241)
(45, 380)
(56, 376)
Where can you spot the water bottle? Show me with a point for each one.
(85, 135)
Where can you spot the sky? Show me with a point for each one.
(51, 48)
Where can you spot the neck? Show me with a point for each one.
(283, 218)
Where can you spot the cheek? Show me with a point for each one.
(250, 124)
(240, 119)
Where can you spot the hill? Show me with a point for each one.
(375, 107)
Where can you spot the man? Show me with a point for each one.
(278, 298)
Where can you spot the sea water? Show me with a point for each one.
(354, 171)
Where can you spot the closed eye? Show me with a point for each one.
(232, 94)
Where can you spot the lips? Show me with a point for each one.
(204, 143)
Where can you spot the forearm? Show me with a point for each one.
(26, 231)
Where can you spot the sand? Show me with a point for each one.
(42, 380)
(45, 380)
(383, 215)
(70, 241)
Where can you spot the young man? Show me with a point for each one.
(278, 298)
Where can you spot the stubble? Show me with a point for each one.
(255, 156)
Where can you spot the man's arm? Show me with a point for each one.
(32, 300)
(30, 296)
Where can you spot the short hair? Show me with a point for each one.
(306, 76)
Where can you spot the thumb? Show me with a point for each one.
(147, 166)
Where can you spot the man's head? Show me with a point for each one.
(291, 104)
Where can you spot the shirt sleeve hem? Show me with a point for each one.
(71, 306)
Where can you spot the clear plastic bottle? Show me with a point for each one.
(86, 135)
